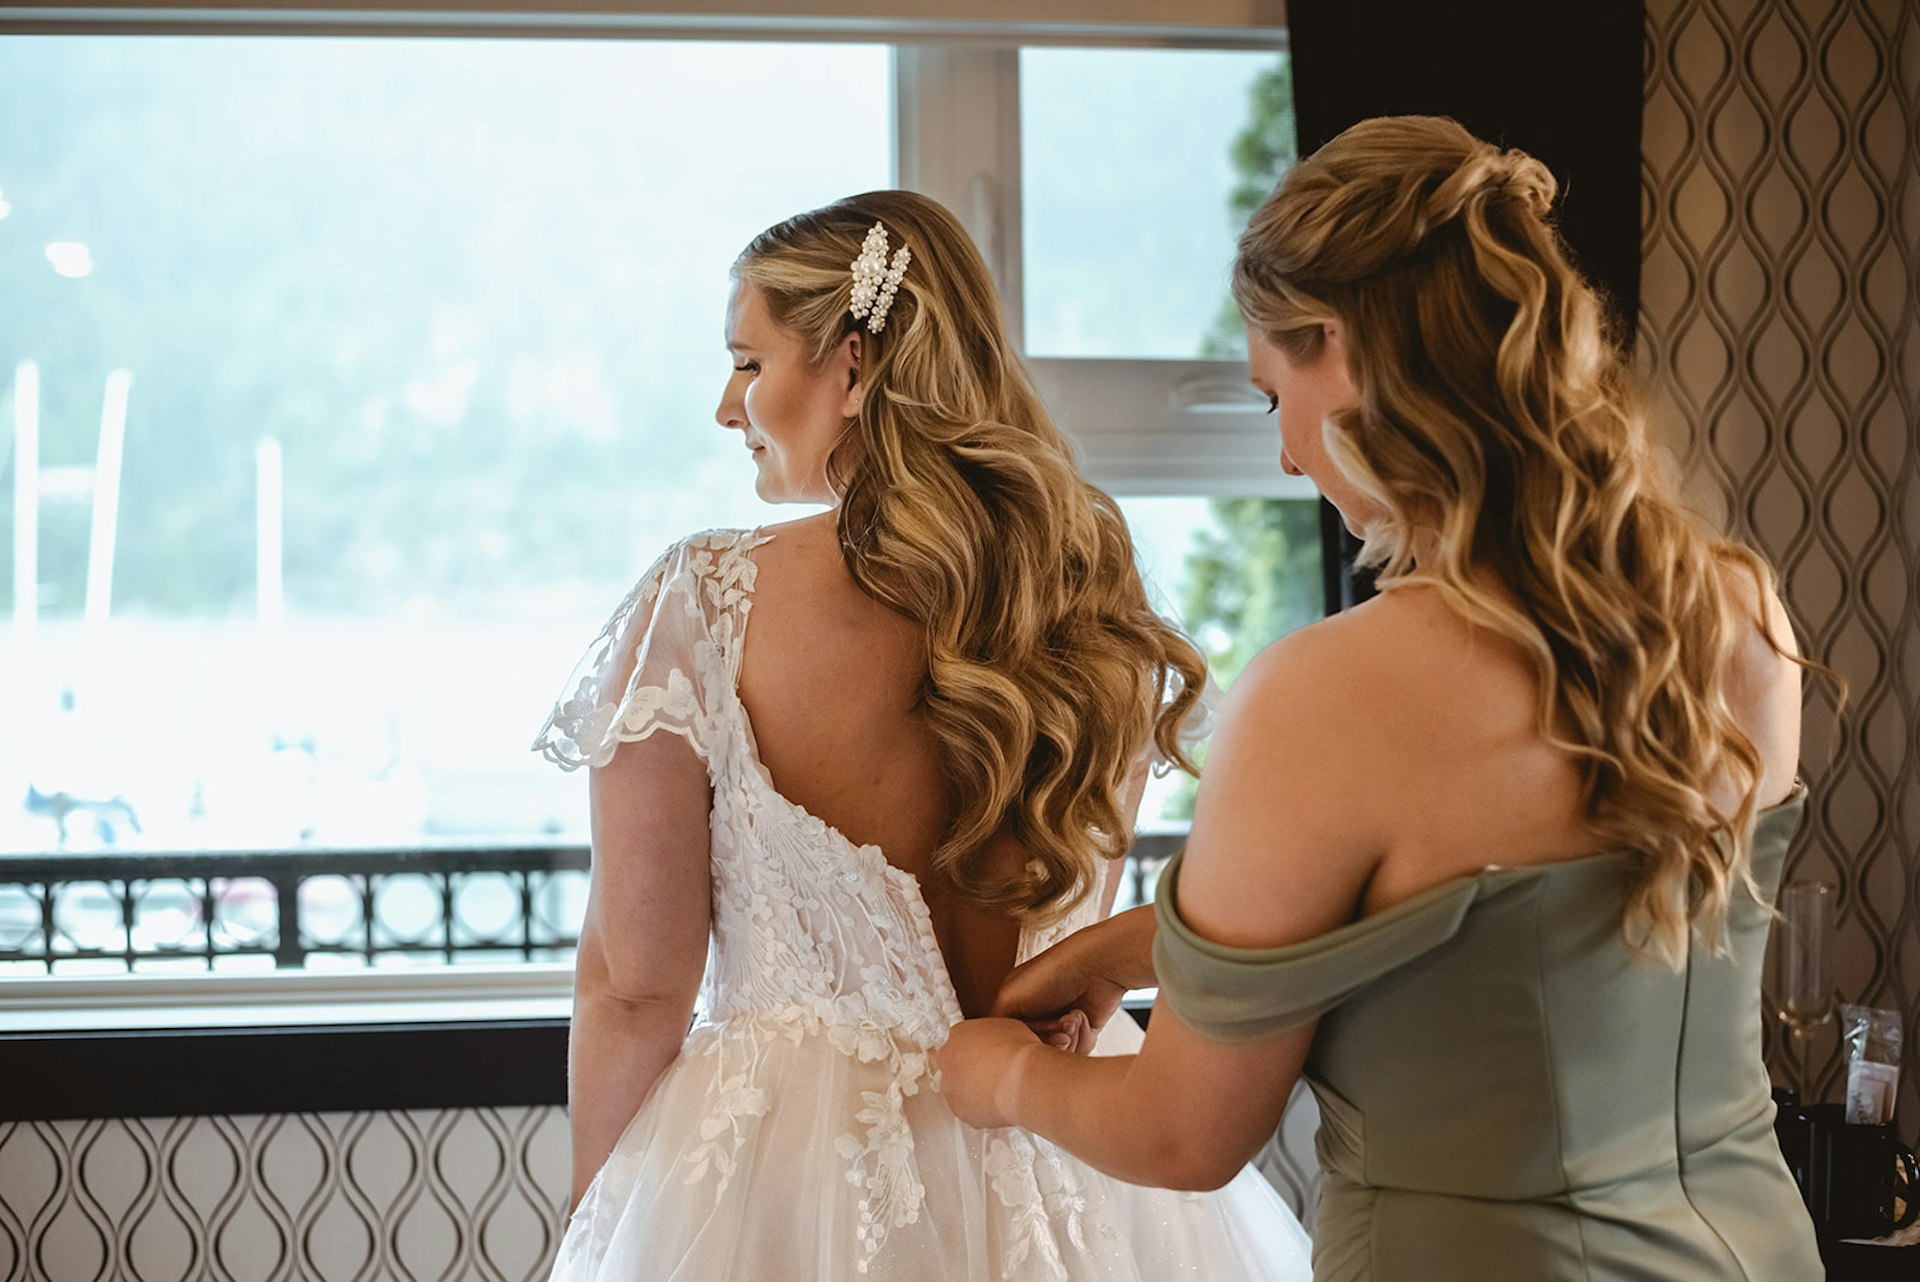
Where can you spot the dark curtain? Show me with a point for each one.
(1562, 81)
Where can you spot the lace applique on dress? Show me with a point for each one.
(881, 1164)
(1042, 1197)
(678, 627)
(808, 1069)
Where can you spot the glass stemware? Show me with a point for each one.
(1804, 956)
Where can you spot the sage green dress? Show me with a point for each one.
(1507, 1093)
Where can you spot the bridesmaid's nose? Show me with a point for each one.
(732, 411)
(1288, 466)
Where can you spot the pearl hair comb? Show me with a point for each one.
(874, 282)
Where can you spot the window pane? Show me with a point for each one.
(424, 339)
(1138, 169)
(1236, 574)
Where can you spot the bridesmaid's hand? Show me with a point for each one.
(980, 1068)
(1073, 988)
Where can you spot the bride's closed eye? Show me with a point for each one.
(746, 367)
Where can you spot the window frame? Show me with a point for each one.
(1194, 24)
(1143, 426)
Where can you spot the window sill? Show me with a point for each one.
(147, 1003)
(143, 1046)
(227, 1045)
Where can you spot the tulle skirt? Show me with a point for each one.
(792, 1149)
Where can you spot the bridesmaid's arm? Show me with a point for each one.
(1280, 852)
(643, 944)
(979, 946)
(1185, 1113)
(1088, 972)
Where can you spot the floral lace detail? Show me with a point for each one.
(813, 935)
(881, 1162)
(878, 1148)
(722, 1131)
(1043, 1194)
(882, 1165)
(781, 919)
(575, 732)
(707, 571)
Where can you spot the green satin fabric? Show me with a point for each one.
(1507, 1093)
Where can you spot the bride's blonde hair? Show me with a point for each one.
(1048, 674)
(1495, 413)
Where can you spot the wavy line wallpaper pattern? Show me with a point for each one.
(341, 1197)
(1780, 333)
(433, 1196)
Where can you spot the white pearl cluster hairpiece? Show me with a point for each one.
(874, 283)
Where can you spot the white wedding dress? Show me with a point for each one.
(801, 1133)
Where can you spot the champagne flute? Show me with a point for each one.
(1804, 958)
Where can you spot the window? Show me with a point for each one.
(348, 382)
(1128, 171)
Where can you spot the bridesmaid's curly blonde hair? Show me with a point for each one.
(1495, 413)
(960, 507)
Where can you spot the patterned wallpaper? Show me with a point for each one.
(1781, 257)
(470, 1194)
(333, 1197)
(1780, 332)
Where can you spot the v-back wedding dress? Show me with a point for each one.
(801, 1133)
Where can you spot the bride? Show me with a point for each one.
(922, 770)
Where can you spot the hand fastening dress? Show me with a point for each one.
(801, 1133)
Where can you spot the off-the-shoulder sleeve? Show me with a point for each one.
(654, 666)
(1237, 994)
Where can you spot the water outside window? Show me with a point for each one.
(349, 383)
(424, 341)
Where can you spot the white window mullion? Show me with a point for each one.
(957, 135)
(1143, 426)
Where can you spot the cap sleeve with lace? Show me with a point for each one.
(666, 660)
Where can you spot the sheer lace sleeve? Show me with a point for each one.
(658, 664)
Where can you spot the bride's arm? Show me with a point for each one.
(643, 945)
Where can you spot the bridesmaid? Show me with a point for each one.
(1488, 859)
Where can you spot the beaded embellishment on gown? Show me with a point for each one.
(801, 1133)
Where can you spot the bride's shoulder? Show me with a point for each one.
(791, 567)
(714, 541)
(702, 553)
(800, 556)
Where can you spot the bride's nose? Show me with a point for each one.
(732, 411)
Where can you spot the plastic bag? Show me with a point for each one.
(1872, 1039)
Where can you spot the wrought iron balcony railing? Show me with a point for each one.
(120, 912)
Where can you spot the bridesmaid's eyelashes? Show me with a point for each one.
(1273, 403)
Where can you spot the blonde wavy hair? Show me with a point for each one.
(1048, 673)
(1496, 414)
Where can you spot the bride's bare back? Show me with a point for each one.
(831, 680)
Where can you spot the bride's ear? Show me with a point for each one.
(848, 356)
